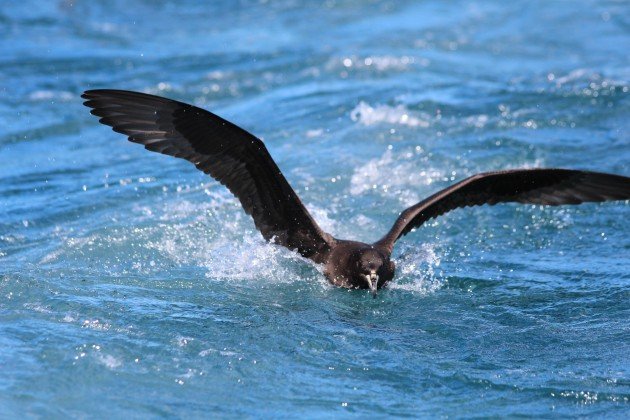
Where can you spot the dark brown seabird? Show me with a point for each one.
(241, 162)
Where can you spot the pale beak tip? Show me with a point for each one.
(373, 290)
(372, 281)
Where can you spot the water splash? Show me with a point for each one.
(213, 235)
(399, 170)
(418, 269)
(365, 114)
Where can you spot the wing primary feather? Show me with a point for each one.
(552, 187)
(231, 155)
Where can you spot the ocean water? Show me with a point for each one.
(132, 285)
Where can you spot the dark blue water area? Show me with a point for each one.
(131, 285)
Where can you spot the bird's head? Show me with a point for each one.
(370, 264)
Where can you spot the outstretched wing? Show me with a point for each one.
(536, 186)
(219, 148)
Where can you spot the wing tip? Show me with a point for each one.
(95, 93)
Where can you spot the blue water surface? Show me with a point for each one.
(132, 285)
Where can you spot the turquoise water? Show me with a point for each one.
(133, 285)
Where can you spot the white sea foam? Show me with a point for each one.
(207, 352)
(400, 170)
(323, 219)
(365, 222)
(51, 256)
(570, 77)
(95, 324)
(37, 307)
(366, 114)
(314, 133)
(183, 341)
(108, 361)
(69, 318)
(50, 95)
